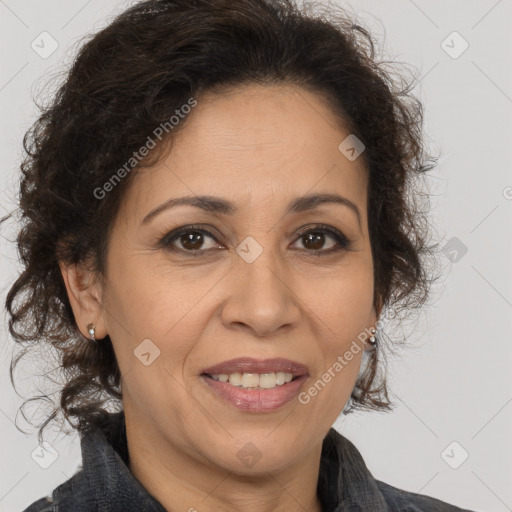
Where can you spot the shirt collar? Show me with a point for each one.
(105, 463)
(344, 483)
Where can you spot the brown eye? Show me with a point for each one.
(191, 240)
(314, 240)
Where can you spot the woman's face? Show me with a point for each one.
(255, 289)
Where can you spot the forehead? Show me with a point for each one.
(255, 145)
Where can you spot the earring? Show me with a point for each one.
(372, 339)
(91, 328)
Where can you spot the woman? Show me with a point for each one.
(218, 220)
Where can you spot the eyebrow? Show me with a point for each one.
(213, 204)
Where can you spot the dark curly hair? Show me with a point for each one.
(131, 77)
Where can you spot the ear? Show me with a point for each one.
(85, 296)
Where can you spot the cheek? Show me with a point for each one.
(343, 310)
(161, 313)
(154, 330)
(343, 300)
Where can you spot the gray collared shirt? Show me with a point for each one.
(105, 483)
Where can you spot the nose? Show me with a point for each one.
(261, 297)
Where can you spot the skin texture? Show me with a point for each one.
(260, 147)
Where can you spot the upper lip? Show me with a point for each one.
(251, 365)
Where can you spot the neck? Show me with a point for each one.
(181, 481)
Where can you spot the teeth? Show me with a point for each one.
(254, 380)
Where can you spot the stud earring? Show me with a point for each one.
(91, 329)
(372, 339)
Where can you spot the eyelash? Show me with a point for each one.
(342, 242)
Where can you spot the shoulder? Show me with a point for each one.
(41, 505)
(405, 501)
(70, 495)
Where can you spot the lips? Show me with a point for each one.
(251, 365)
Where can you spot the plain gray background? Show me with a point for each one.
(453, 390)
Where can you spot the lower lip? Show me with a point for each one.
(257, 400)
